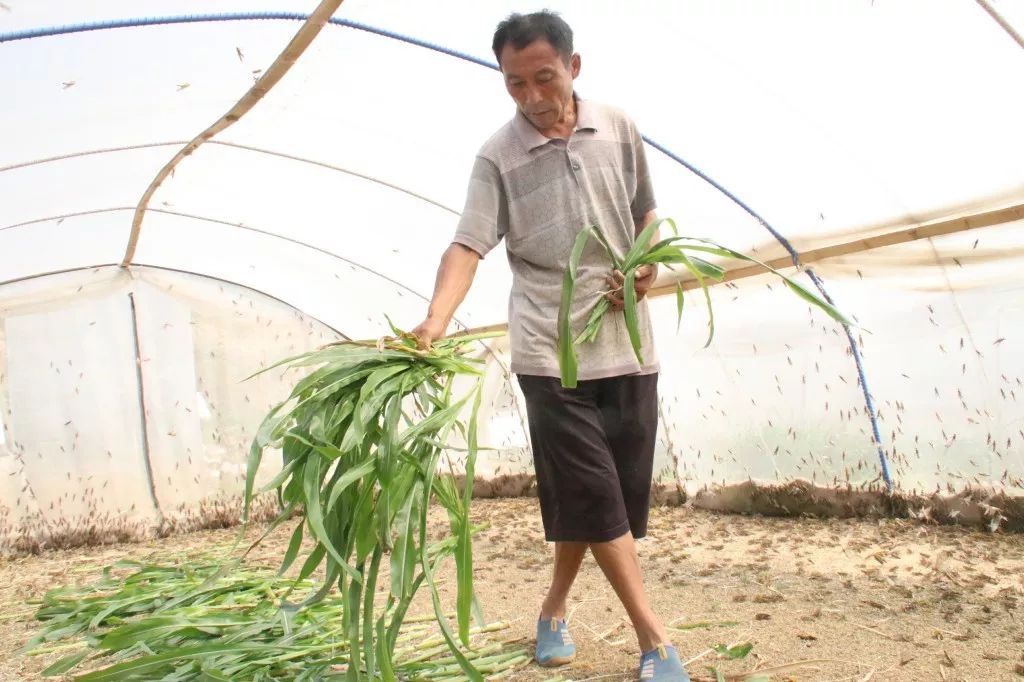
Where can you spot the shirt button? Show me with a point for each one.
(575, 165)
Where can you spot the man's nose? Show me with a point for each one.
(532, 95)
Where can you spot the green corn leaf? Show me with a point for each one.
(139, 667)
(362, 522)
(329, 452)
(688, 263)
(314, 514)
(464, 552)
(679, 305)
(352, 628)
(566, 349)
(384, 654)
(811, 298)
(708, 269)
(593, 326)
(350, 476)
(632, 321)
(403, 555)
(471, 672)
(282, 476)
(603, 240)
(293, 549)
(665, 254)
(640, 246)
(437, 421)
(65, 664)
(251, 467)
(798, 289)
(369, 651)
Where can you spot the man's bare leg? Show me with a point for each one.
(621, 566)
(568, 557)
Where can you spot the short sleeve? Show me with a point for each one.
(643, 200)
(484, 219)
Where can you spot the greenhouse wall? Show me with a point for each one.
(173, 346)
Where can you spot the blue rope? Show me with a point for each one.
(854, 348)
(50, 31)
(299, 16)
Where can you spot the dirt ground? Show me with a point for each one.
(820, 600)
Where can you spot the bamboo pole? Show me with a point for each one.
(302, 39)
(900, 236)
(985, 5)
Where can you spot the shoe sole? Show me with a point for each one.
(555, 661)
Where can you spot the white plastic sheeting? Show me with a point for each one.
(78, 460)
(835, 121)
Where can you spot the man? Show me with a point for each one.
(560, 164)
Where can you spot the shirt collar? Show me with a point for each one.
(533, 138)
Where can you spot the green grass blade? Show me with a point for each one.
(640, 246)
(281, 476)
(679, 305)
(384, 654)
(437, 421)
(65, 664)
(632, 320)
(403, 556)
(364, 468)
(603, 240)
(314, 514)
(312, 561)
(369, 651)
(593, 326)
(813, 299)
(464, 552)
(798, 289)
(135, 668)
(566, 348)
(708, 269)
(352, 622)
(688, 263)
(294, 544)
(442, 621)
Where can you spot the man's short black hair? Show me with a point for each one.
(523, 29)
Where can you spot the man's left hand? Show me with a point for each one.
(645, 276)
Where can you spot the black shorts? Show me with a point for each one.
(593, 451)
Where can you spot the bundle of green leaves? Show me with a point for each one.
(361, 437)
(673, 251)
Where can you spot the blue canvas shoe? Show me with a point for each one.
(554, 643)
(663, 665)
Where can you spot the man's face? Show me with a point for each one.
(540, 81)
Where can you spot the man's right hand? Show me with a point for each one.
(428, 331)
(454, 275)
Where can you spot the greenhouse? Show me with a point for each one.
(220, 224)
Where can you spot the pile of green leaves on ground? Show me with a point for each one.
(210, 621)
(673, 251)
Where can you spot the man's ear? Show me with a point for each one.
(574, 64)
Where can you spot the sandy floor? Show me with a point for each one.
(819, 600)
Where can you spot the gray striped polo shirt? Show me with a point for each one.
(537, 193)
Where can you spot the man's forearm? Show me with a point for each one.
(454, 277)
(646, 220)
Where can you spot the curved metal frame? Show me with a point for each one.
(54, 273)
(226, 223)
(235, 145)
